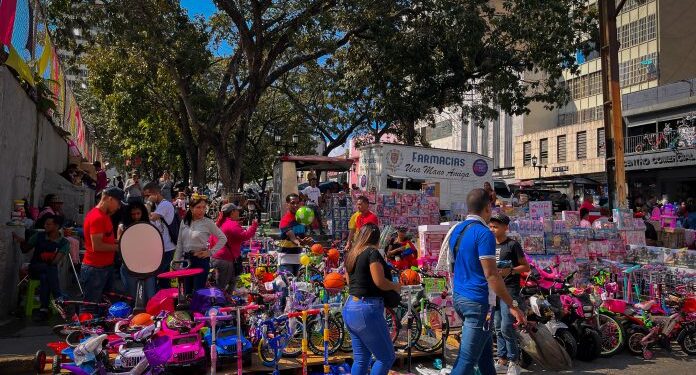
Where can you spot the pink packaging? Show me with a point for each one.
(579, 248)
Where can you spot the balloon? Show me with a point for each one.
(305, 260)
(304, 215)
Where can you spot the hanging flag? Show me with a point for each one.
(45, 55)
(16, 62)
(30, 38)
(8, 9)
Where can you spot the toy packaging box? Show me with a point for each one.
(571, 218)
(579, 248)
(540, 209)
(533, 245)
(557, 243)
(623, 218)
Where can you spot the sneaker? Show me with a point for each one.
(513, 369)
(501, 368)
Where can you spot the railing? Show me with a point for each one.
(680, 138)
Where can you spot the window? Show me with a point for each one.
(561, 149)
(527, 150)
(442, 129)
(581, 142)
(601, 150)
(544, 151)
(639, 70)
(415, 185)
(636, 32)
(395, 183)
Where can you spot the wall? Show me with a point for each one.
(29, 145)
(677, 37)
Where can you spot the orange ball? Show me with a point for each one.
(317, 249)
(333, 255)
(141, 320)
(334, 281)
(410, 277)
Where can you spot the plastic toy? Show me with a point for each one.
(317, 249)
(187, 347)
(240, 341)
(410, 277)
(180, 275)
(334, 281)
(333, 256)
(304, 215)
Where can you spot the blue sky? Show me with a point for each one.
(205, 8)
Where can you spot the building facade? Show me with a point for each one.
(655, 39)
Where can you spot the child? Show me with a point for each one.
(585, 218)
(49, 248)
(509, 252)
(401, 252)
(180, 204)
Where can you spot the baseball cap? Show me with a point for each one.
(501, 218)
(229, 207)
(115, 192)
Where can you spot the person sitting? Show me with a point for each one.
(400, 251)
(49, 249)
(52, 206)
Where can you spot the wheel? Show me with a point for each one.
(568, 341)
(346, 344)
(589, 345)
(639, 148)
(398, 327)
(612, 334)
(434, 329)
(687, 341)
(39, 361)
(267, 355)
(634, 344)
(294, 345)
(55, 365)
(315, 332)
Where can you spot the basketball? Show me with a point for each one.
(333, 255)
(334, 281)
(410, 277)
(304, 215)
(317, 249)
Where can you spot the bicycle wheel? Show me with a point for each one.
(397, 322)
(315, 332)
(267, 355)
(346, 343)
(294, 347)
(612, 335)
(435, 327)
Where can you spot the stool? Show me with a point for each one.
(31, 302)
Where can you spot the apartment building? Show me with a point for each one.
(564, 147)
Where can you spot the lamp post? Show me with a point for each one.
(539, 167)
(278, 141)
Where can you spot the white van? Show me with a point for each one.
(452, 174)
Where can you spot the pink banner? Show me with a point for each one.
(8, 9)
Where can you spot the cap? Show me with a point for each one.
(115, 192)
(56, 199)
(501, 218)
(229, 207)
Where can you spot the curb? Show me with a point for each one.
(17, 364)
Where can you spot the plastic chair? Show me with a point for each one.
(31, 301)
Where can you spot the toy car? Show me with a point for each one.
(226, 343)
(187, 346)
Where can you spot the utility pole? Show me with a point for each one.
(613, 120)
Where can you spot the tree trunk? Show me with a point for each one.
(236, 155)
(198, 167)
(224, 166)
(409, 131)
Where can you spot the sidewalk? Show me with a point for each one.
(20, 339)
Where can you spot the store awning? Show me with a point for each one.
(318, 163)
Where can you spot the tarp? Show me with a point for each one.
(318, 163)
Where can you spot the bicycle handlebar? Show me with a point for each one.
(235, 308)
(331, 305)
(299, 313)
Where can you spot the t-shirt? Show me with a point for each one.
(361, 283)
(166, 210)
(97, 222)
(167, 187)
(353, 220)
(313, 194)
(289, 253)
(512, 251)
(366, 218)
(478, 243)
(42, 244)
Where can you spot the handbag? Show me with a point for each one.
(391, 298)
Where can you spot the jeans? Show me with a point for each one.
(369, 334)
(164, 267)
(130, 284)
(476, 347)
(95, 281)
(225, 272)
(47, 274)
(198, 281)
(508, 347)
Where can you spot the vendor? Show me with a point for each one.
(400, 251)
(53, 205)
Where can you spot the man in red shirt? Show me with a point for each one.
(365, 216)
(101, 245)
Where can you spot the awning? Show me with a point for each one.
(318, 163)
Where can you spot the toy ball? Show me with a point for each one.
(141, 320)
(317, 249)
(83, 317)
(120, 310)
(304, 215)
(305, 260)
(334, 281)
(333, 255)
(260, 272)
(410, 277)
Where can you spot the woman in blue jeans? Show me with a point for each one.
(367, 276)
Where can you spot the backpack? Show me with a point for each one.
(173, 228)
(455, 250)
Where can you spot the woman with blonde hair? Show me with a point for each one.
(367, 274)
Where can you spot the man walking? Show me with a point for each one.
(475, 272)
(360, 218)
(163, 218)
(100, 245)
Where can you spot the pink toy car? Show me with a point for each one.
(187, 345)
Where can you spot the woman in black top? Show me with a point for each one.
(367, 274)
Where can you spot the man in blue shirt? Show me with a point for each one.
(475, 277)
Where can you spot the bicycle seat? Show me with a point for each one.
(647, 305)
(180, 273)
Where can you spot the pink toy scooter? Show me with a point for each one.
(180, 275)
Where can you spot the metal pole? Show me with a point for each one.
(613, 120)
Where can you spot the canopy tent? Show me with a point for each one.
(318, 163)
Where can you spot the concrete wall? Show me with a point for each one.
(32, 153)
(677, 31)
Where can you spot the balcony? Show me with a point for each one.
(682, 137)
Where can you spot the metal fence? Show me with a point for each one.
(680, 138)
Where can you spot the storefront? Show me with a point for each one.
(667, 174)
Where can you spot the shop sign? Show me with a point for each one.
(667, 159)
(560, 169)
